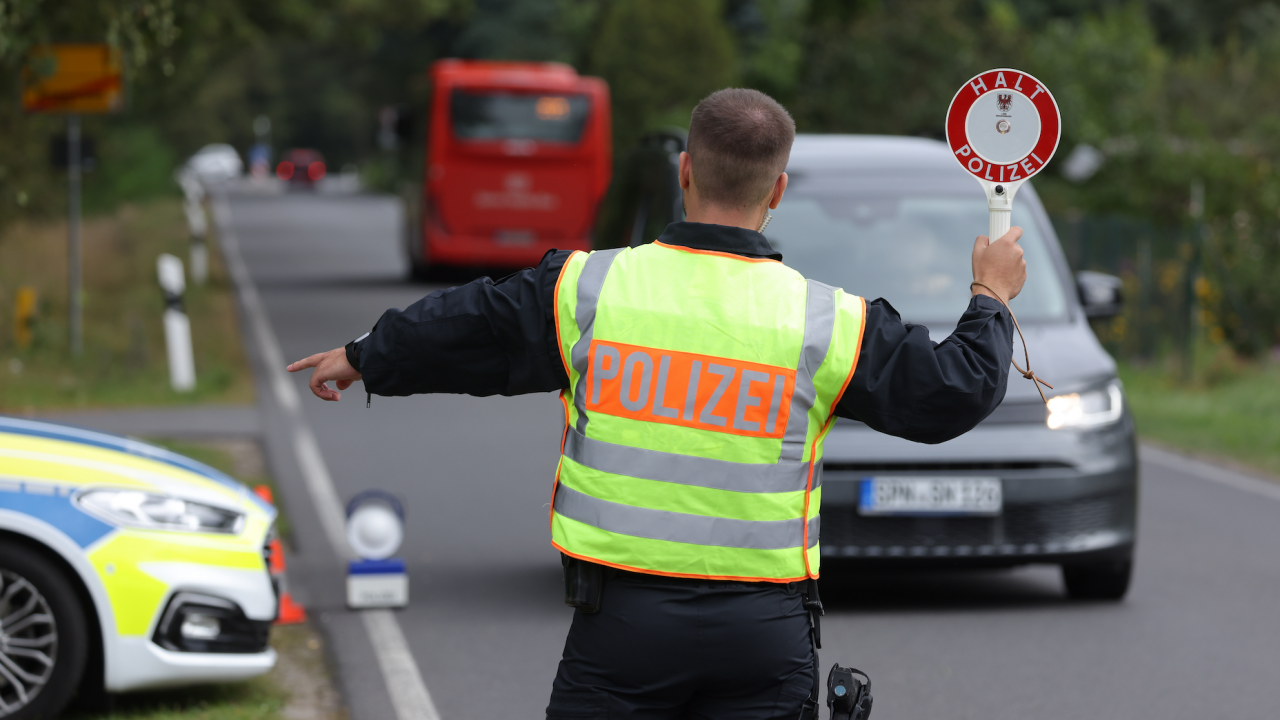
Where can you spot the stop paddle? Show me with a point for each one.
(1003, 126)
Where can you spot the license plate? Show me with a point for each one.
(930, 496)
(514, 237)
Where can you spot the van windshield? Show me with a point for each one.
(914, 250)
(500, 115)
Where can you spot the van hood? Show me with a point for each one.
(1066, 355)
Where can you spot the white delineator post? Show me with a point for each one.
(199, 227)
(177, 326)
(197, 223)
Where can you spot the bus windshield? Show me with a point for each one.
(499, 115)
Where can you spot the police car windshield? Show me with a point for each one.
(914, 249)
(496, 115)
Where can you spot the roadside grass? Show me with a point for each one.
(299, 687)
(1231, 413)
(258, 699)
(124, 361)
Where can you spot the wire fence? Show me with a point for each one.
(1215, 283)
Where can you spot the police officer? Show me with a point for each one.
(699, 376)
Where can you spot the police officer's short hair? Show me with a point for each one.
(739, 142)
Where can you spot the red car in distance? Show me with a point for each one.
(301, 168)
(517, 161)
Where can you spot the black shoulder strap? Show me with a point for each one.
(813, 603)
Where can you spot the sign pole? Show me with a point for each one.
(75, 310)
(73, 79)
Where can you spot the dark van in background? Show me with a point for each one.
(518, 158)
(895, 217)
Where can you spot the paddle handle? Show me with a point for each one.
(999, 223)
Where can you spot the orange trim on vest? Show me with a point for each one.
(692, 576)
(857, 353)
(564, 436)
(555, 300)
(555, 485)
(808, 493)
(717, 253)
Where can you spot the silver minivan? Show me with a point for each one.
(895, 217)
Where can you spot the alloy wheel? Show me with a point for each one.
(28, 642)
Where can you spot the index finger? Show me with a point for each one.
(1014, 235)
(305, 363)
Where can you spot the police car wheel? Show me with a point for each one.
(43, 643)
(1106, 580)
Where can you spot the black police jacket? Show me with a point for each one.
(499, 338)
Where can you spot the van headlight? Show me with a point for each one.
(1089, 409)
(159, 512)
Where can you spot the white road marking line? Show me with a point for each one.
(409, 694)
(286, 394)
(323, 493)
(1212, 473)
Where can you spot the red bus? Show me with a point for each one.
(518, 159)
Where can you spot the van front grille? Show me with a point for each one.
(941, 467)
(1020, 529)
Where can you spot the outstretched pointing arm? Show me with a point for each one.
(482, 338)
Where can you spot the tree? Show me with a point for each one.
(660, 57)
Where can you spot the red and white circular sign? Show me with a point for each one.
(1003, 125)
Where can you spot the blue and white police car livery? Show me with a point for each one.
(123, 566)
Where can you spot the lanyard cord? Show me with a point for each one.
(1028, 373)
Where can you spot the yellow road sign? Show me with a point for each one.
(73, 78)
(24, 316)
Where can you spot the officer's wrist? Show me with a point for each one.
(977, 289)
(353, 352)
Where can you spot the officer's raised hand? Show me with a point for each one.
(999, 265)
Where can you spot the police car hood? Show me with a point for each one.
(65, 458)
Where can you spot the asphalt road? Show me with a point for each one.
(1198, 636)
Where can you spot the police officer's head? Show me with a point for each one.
(739, 142)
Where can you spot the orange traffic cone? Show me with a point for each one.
(290, 612)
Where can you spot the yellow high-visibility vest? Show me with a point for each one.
(701, 387)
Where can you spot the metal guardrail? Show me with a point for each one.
(1211, 282)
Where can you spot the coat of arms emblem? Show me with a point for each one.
(1004, 102)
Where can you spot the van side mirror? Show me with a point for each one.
(1101, 295)
(406, 123)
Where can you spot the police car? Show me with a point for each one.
(123, 566)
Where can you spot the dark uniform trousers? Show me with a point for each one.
(674, 648)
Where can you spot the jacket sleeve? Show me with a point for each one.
(482, 338)
(907, 385)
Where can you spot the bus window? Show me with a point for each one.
(495, 115)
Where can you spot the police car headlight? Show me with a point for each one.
(1089, 409)
(159, 512)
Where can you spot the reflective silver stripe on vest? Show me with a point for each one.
(590, 282)
(682, 527)
(785, 476)
(819, 326)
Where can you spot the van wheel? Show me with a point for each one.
(42, 636)
(1104, 580)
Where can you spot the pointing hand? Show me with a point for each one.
(328, 366)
